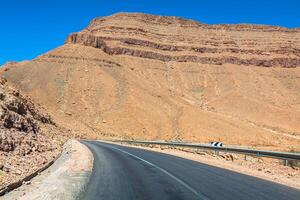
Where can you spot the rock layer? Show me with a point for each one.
(193, 42)
(99, 42)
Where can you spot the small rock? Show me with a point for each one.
(68, 113)
(259, 169)
(290, 174)
(5, 169)
(229, 157)
(18, 172)
(104, 121)
(26, 182)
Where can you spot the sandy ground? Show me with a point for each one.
(265, 168)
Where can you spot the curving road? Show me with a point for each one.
(124, 173)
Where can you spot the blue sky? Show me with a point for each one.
(29, 28)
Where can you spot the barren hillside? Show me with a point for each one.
(152, 77)
(29, 139)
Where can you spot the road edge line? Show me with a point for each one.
(201, 196)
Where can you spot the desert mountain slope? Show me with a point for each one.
(29, 138)
(153, 77)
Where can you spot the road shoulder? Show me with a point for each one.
(65, 179)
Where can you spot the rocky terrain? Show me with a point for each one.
(29, 139)
(153, 77)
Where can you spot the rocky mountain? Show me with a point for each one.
(29, 138)
(141, 76)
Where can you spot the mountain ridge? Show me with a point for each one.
(95, 35)
(190, 21)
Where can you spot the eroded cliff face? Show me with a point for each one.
(152, 77)
(174, 39)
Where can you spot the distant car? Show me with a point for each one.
(216, 144)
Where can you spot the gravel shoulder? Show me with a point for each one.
(65, 179)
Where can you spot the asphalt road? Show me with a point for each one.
(124, 173)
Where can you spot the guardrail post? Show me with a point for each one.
(245, 158)
(286, 162)
(216, 152)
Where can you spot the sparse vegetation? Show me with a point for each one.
(198, 89)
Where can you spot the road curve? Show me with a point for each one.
(124, 173)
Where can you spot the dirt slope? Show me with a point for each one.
(29, 138)
(153, 77)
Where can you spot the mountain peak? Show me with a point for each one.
(181, 22)
(144, 18)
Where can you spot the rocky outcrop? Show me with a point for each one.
(180, 40)
(19, 113)
(23, 134)
(99, 42)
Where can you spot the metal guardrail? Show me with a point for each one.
(262, 153)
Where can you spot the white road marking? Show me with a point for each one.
(201, 196)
